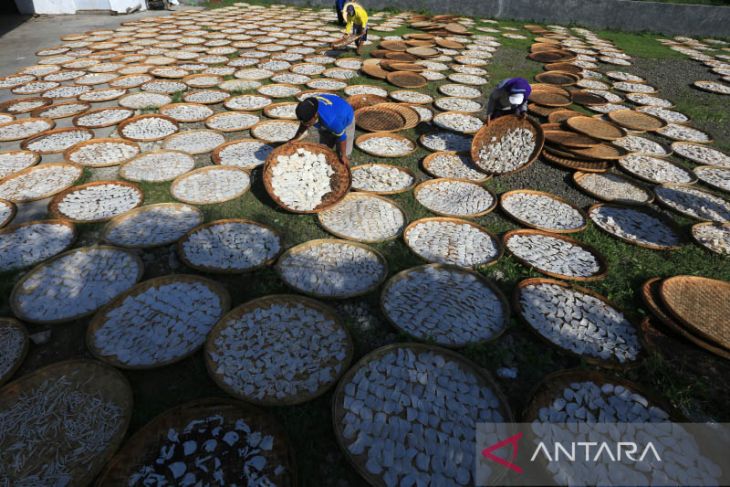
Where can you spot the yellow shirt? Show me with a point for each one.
(360, 17)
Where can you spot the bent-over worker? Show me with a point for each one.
(509, 97)
(357, 21)
(336, 119)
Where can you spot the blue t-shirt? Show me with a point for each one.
(335, 114)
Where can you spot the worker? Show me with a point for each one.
(339, 7)
(357, 20)
(336, 119)
(509, 97)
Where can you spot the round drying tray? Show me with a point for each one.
(473, 189)
(14, 344)
(643, 196)
(636, 121)
(93, 398)
(130, 197)
(400, 364)
(700, 304)
(364, 217)
(248, 244)
(266, 454)
(662, 224)
(376, 118)
(560, 78)
(402, 146)
(157, 322)
(596, 128)
(610, 316)
(340, 180)
(715, 237)
(575, 164)
(210, 185)
(500, 128)
(304, 315)
(539, 222)
(332, 270)
(650, 296)
(380, 179)
(562, 253)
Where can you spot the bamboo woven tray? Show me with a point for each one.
(519, 220)
(599, 152)
(144, 446)
(338, 411)
(17, 327)
(560, 78)
(284, 300)
(404, 189)
(51, 133)
(123, 218)
(365, 100)
(700, 304)
(498, 128)
(86, 377)
(120, 127)
(430, 182)
(555, 56)
(636, 121)
(564, 67)
(595, 128)
(650, 296)
(603, 265)
(427, 164)
(540, 110)
(10, 211)
(410, 115)
(450, 219)
(548, 99)
(365, 137)
(569, 139)
(586, 98)
(43, 112)
(379, 119)
(68, 153)
(552, 386)
(128, 113)
(571, 161)
(339, 183)
(406, 79)
(645, 209)
(611, 363)
(697, 226)
(105, 311)
(313, 243)
(56, 212)
(579, 176)
(218, 269)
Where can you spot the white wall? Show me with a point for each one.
(56, 7)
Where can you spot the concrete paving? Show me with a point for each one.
(21, 36)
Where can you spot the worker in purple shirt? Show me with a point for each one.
(339, 7)
(336, 119)
(508, 98)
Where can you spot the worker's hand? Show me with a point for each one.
(345, 160)
(488, 120)
(523, 115)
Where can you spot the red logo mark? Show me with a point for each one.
(512, 440)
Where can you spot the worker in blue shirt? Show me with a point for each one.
(334, 117)
(339, 7)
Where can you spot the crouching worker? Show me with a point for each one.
(509, 98)
(335, 119)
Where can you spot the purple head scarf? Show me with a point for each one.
(518, 85)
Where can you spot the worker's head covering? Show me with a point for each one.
(307, 109)
(350, 10)
(519, 89)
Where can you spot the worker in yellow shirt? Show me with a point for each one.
(357, 21)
